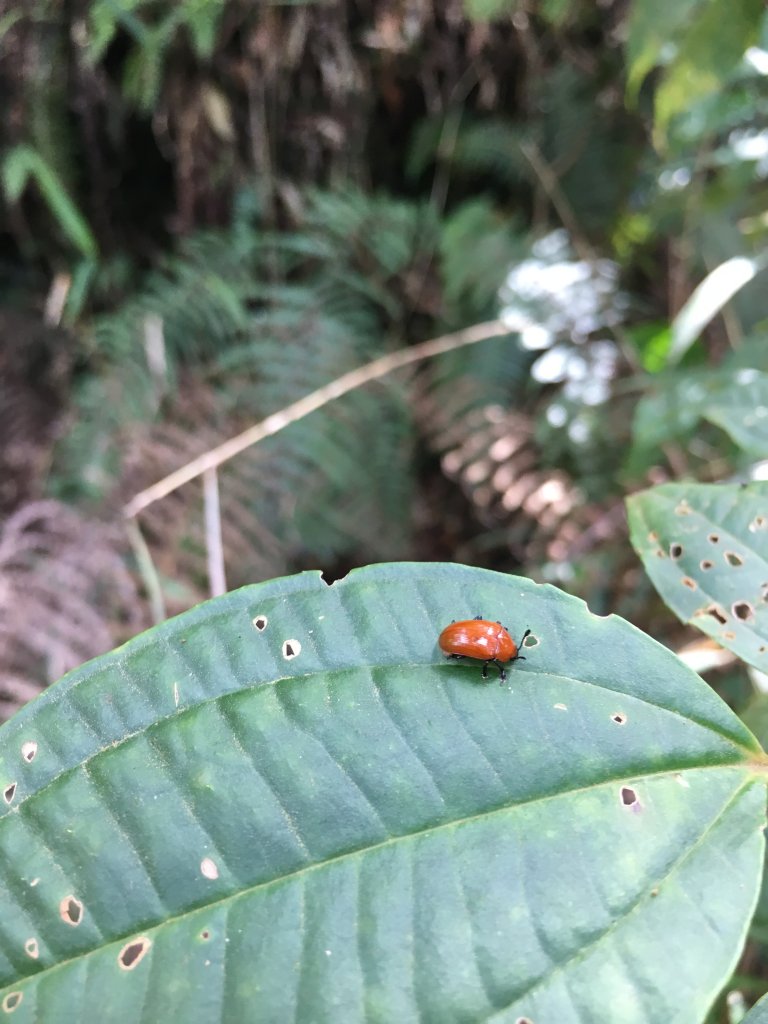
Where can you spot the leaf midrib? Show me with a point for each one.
(114, 745)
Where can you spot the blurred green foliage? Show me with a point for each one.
(227, 206)
(240, 203)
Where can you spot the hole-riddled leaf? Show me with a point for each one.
(369, 832)
(719, 581)
(758, 1014)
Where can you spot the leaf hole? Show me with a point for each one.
(71, 911)
(683, 509)
(660, 553)
(761, 649)
(717, 613)
(733, 559)
(12, 1001)
(629, 797)
(205, 935)
(743, 610)
(675, 550)
(758, 523)
(619, 718)
(523, 1020)
(31, 948)
(764, 589)
(729, 635)
(713, 538)
(655, 891)
(688, 582)
(260, 622)
(29, 751)
(9, 792)
(653, 537)
(133, 953)
(705, 564)
(208, 868)
(291, 649)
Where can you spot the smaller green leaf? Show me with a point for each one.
(23, 163)
(734, 400)
(742, 411)
(708, 299)
(758, 1014)
(201, 18)
(652, 25)
(83, 277)
(705, 548)
(143, 73)
(8, 21)
(556, 11)
(484, 10)
(16, 171)
(669, 411)
(652, 342)
(105, 17)
(710, 51)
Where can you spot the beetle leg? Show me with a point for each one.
(478, 618)
(499, 666)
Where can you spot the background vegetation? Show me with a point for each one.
(211, 209)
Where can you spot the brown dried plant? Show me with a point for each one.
(66, 595)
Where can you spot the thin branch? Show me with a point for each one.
(148, 571)
(56, 299)
(154, 351)
(213, 543)
(316, 400)
(551, 184)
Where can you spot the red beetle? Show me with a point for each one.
(487, 641)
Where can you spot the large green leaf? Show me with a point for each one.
(705, 546)
(758, 1014)
(755, 717)
(297, 809)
